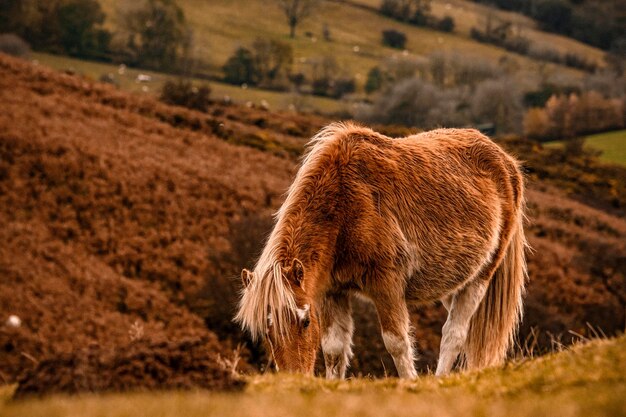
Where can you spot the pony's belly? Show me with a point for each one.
(421, 291)
(436, 281)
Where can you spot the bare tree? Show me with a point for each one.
(296, 11)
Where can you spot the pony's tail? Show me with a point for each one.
(494, 326)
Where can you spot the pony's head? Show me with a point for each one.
(276, 308)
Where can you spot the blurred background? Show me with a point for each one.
(145, 144)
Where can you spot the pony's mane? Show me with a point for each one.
(267, 297)
(269, 294)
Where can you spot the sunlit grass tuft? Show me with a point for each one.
(586, 380)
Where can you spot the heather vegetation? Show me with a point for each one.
(145, 214)
(126, 218)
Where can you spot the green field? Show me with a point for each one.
(220, 26)
(128, 81)
(588, 380)
(611, 144)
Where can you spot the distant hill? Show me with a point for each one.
(116, 209)
(220, 26)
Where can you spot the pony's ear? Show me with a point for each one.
(297, 271)
(246, 277)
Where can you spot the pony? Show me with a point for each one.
(398, 221)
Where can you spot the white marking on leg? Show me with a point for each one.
(454, 331)
(401, 350)
(337, 346)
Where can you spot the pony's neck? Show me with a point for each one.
(308, 223)
(313, 245)
(297, 236)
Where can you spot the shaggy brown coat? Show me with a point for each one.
(408, 220)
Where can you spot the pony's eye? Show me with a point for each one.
(306, 323)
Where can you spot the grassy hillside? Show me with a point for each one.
(468, 14)
(219, 91)
(220, 26)
(588, 380)
(612, 146)
(223, 25)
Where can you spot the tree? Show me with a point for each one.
(394, 38)
(158, 35)
(239, 68)
(272, 59)
(296, 11)
(60, 26)
(374, 80)
(414, 11)
(267, 63)
(79, 22)
(500, 102)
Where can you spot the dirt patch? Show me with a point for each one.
(141, 365)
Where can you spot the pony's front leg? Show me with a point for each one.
(394, 322)
(336, 329)
(461, 307)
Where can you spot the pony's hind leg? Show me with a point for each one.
(336, 329)
(395, 326)
(461, 307)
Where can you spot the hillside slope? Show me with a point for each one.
(588, 380)
(117, 209)
(221, 26)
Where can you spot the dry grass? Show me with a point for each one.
(588, 380)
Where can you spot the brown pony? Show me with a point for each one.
(433, 216)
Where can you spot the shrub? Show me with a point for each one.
(498, 102)
(502, 37)
(343, 86)
(272, 62)
(553, 15)
(240, 68)
(14, 45)
(536, 123)
(446, 24)
(577, 61)
(183, 93)
(374, 80)
(454, 69)
(108, 78)
(414, 102)
(321, 86)
(267, 63)
(297, 79)
(394, 38)
(158, 34)
(392, 9)
(568, 116)
(81, 33)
